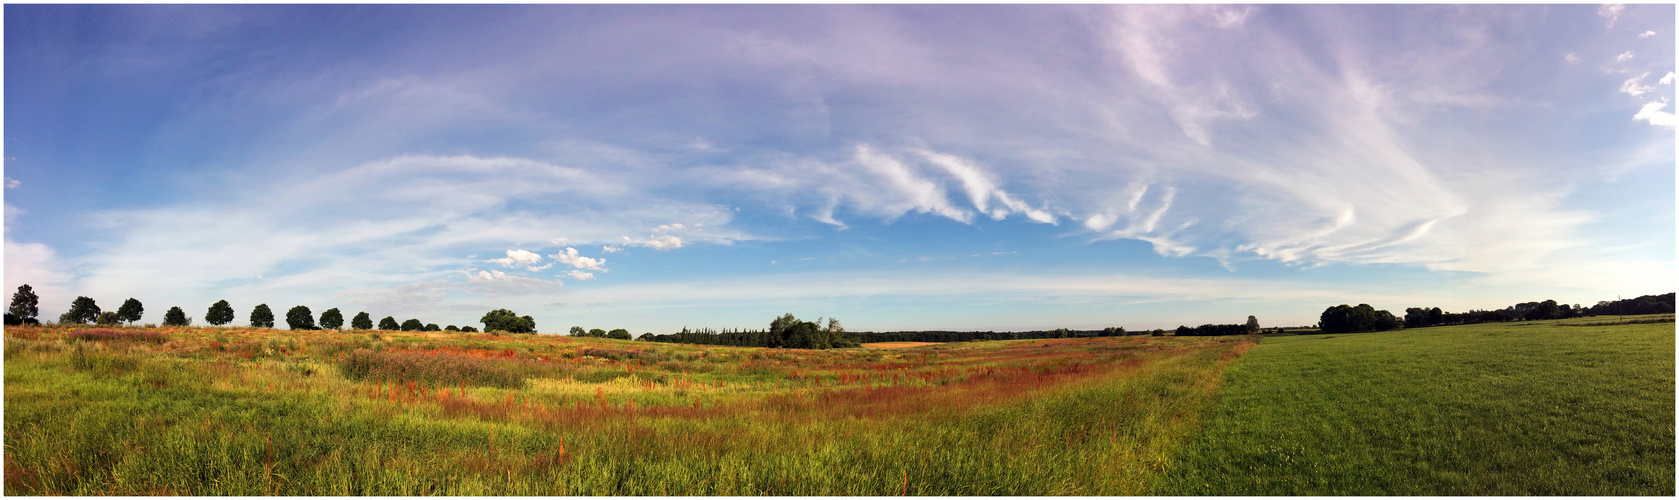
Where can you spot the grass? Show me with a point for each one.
(1552, 408)
(262, 412)
(1496, 409)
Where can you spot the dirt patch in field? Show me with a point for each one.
(896, 345)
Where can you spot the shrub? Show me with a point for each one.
(468, 329)
(108, 318)
(364, 364)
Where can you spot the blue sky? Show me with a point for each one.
(896, 167)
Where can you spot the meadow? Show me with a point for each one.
(246, 411)
(1576, 407)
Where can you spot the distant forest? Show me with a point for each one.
(1363, 318)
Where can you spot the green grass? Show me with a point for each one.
(1508, 409)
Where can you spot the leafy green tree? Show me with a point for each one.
(332, 319)
(596, 332)
(577, 331)
(468, 329)
(25, 304)
(176, 317)
(130, 311)
(412, 325)
(82, 310)
(451, 328)
(300, 318)
(362, 321)
(1253, 324)
(220, 313)
(108, 318)
(432, 327)
(1386, 321)
(262, 316)
(618, 333)
(507, 321)
(389, 323)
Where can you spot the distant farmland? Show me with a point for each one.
(1522, 408)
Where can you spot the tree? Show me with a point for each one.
(432, 327)
(130, 310)
(82, 310)
(332, 319)
(300, 318)
(1253, 324)
(618, 333)
(389, 323)
(1545, 310)
(451, 328)
(468, 329)
(597, 333)
(176, 317)
(220, 313)
(25, 304)
(262, 317)
(577, 331)
(107, 318)
(413, 325)
(1387, 321)
(362, 321)
(508, 321)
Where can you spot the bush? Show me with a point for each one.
(364, 364)
(108, 318)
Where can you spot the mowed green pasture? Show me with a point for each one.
(244, 411)
(1535, 408)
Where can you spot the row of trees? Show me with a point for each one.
(25, 307)
(1360, 318)
(1249, 328)
(616, 333)
(1416, 317)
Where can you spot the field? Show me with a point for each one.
(1501, 409)
(1491, 409)
(207, 411)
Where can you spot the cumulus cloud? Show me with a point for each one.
(1611, 12)
(1668, 79)
(1624, 57)
(1634, 87)
(1647, 34)
(571, 258)
(579, 275)
(1652, 113)
(518, 258)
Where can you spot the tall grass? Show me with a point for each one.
(1091, 416)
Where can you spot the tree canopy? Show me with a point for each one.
(176, 317)
(362, 321)
(507, 321)
(130, 311)
(389, 323)
(262, 317)
(25, 304)
(220, 313)
(300, 318)
(412, 325)
(332, 319)
(82, 310)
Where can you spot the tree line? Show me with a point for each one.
(84, 310)
(1363, 318)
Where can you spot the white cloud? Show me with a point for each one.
(1571, 58)
(1612, 12)
(12, 183)
(1624, 57)
(1633, 88)
(579, 275)
(662, 242)
(38, 266)
(611, 249)
(1652, 112)
(1647, 34)
(518, 258)
(905, 189)
(571, 258)
(981, 189)
(1668, 79)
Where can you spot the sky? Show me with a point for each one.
(896, 167)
